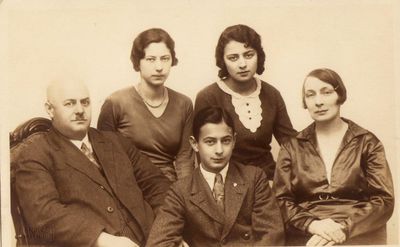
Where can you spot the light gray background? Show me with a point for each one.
(43, 40)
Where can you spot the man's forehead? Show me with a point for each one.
(67, 89)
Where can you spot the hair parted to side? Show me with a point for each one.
(243, 34)
(153, 35)
(331, 77)
(211, 114)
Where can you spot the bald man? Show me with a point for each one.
(78, 186)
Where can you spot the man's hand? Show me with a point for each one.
(328, 229)
(108, 240)
(317, 240)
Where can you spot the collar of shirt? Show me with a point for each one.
(85, 140)
(210, 176)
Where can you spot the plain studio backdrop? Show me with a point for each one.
(46, 40)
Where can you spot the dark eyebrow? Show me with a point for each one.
(73, 100)
(209, 137)
(327, 88)
(227, 136)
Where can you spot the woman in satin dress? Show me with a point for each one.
(332, 180)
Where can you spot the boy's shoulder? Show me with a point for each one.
(184, 185)
(247, 172)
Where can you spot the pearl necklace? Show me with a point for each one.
(147, 103)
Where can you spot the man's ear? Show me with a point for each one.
(49, 109)
(193, 143)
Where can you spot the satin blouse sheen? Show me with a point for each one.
(360, 194)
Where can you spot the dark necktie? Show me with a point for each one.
(218, 191)
(89, 154)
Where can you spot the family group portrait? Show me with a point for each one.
(188, 123)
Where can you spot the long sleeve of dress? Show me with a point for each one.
(282, 128)
(149, 178)
(184, 162)
(293, 214)
(373, 214)
(108, 119)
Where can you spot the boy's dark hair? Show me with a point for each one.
(211, 114)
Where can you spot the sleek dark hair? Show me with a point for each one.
(153, 35)
(331, 77)
(243, 34)
(211, 114)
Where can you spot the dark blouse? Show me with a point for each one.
(360, 194)
(253, 148)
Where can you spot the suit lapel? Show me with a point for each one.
(235, 191)
(201, 197)
(75, 158)
(105, 156)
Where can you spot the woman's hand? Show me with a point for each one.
(328, 229)
(317, 240)
(183, 244)
(108, 240)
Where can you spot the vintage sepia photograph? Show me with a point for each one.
(199, 123)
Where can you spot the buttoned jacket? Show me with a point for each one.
(66, 198)
(251, 216)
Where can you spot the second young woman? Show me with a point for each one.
(257, 107)
(158, 119)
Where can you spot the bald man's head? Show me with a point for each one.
(68, 105)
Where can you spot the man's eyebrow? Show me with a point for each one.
(209, 137)
(69, 100)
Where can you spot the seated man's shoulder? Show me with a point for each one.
(33, 148)
(31, 145)
(109, 136)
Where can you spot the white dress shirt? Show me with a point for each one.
(85, 140)
(210, 176)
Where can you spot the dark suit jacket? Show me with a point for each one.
(65, 199)
(251, 214)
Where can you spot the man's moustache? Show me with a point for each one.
(80, 119)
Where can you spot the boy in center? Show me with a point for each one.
(222, 203)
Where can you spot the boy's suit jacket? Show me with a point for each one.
(251, 218)
(67, 200)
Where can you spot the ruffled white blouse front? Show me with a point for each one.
(248, 107)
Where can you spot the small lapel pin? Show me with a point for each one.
(234, 184)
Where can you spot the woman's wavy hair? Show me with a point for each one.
(153, 35)
(243, 34)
